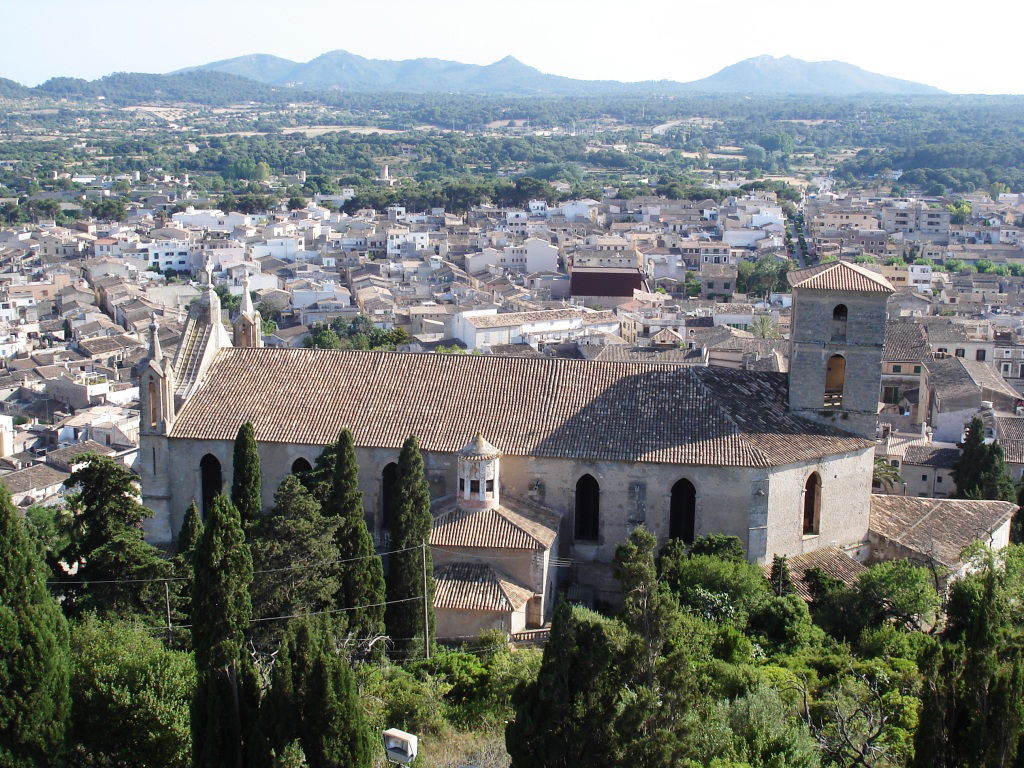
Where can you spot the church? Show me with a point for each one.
(538, 462)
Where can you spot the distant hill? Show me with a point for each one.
(341, 70)
(786, 75)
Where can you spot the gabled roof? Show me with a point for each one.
(937, 529)
(559, 408)
(840, 276)
(513, 525)
(477, 587)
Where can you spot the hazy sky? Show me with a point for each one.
(939, 43)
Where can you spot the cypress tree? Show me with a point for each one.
(188, 539)
(362, 578)
(410, 527)
(296, 543)
(335, 732)
(313, 699)
(221, 611)
(995, 482)
(34, 658)
(568, 711)
(781, 581)
(246, 478)
(974, 457)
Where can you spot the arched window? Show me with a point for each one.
(301, 465)
(211, 480)
(812, 504)
(835, 379)
(682, 514)
(839, 323)
(388, 479)
(152, 403)
(588, 509)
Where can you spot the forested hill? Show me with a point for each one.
(214, 88)
(346, 71)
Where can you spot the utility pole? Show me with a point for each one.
(167, 601)
(426, 606)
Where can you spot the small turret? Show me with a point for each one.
(479, 474)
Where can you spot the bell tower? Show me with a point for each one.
(157, 406)
(835, 345)
(248, 326)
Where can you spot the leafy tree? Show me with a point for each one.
(719, 545)
(221, 611)
(246, 478)
(361, 579)
(409, 521)
(296, 203)
(130, 697)
(995, 482)
(296, 548)
(34, 702)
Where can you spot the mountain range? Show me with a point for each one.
(344, 71)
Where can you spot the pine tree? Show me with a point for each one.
(295, 544)
(410, 527)
(291, 756)
(362, 578)
(115, 565)
(781, 581)
(246, 478)
(974, 457)
(34, 657)
(221, 610)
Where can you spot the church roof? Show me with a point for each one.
(513, 525)
(477, 587)
(558, 408)
(839, 276)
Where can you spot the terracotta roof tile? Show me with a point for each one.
(513, 525)
(831, 560)
(526, 406)
(936, 528)
(839, 276)
(477, 587)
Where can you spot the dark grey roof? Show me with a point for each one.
(905, 342)
(940, 457)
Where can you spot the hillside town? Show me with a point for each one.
(693, 283)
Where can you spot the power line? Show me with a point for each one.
(296, 567)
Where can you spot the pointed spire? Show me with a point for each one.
(247, 308)
(156, 354)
